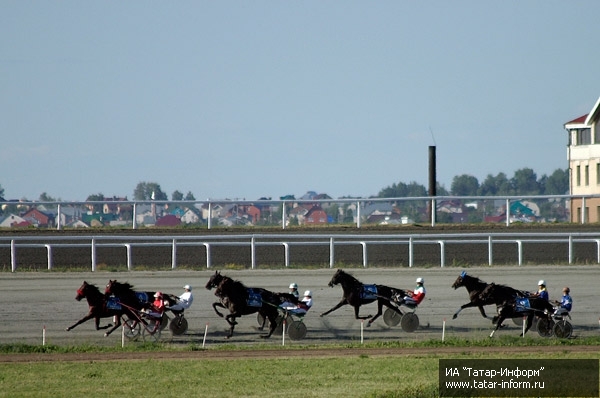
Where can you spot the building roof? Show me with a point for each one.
(587, 119)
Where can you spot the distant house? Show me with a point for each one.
(38, 218)
(190, 217)
(169, 220)
(12, 220)
(315, 216)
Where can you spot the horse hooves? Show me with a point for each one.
(105, 334)
(264, 336)
(368, 324)
(454, 316)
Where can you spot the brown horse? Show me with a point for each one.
(99, 307)
(513, 306)
(475, 287)
(241, 300)
(356, 294)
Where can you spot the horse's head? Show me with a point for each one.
(214, 280)
(118, 289)
(460, 281)
(336, 278)
(82, 291)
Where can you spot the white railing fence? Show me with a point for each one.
(442, 241)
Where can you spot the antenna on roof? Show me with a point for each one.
(432, 137)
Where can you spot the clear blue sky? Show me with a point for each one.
(247, 99)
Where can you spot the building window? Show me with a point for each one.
(597, 135)
(584, 136)
(587, 175)
(598, 173)
(578, 176)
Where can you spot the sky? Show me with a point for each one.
(243, 100)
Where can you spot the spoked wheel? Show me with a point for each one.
(563, 330)
(131, 329)
(544, 327)
(178, 325)
(519, 321)
(164, 321)
(297, 330)
(391, 317)
(151, 331)
(409, 322)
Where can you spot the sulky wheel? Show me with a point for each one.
(409, 322)
(151, 331)
(178, 325)
(563, 330)
(131, 329)
(544, 327)
(297, 330)
(391, 317)
(164, 321)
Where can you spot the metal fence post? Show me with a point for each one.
(331, 253)
(174, 255)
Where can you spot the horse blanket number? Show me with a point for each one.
(254, 298)
(368, 292)
(522, 305)
(112, 303)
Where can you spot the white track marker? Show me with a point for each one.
(443, 329)
(44, 335)
(205, 332)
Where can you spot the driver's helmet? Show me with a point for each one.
(188, 287)
(293, 285)
(542, 282)
(566, 290)
(420, 280)
(308, 293)
(158, 295)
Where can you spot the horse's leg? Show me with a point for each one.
(98, 327)
(356, 311)
(528, 324)
(338, 305)
(273, 324)
(218, 304)
(79, 322)
(117, 324)
(501, 318)
(380, 303)
(468, 305)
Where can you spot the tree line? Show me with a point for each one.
(523, 182)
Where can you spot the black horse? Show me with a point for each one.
(355, 293)
(240, 300)
(99, 308)
(475, 287)
(513, 306)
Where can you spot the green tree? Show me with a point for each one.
(464, 185)
(1, 192)
(145, 190)
(525, 182)
(557, 183)
(494, 186)
(176, 196)
(189, 196)
(44, 197)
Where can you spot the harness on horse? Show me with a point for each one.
(254, 298)
(112, 303)
(522, 304)
(368, 292)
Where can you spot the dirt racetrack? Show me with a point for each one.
(34, 301)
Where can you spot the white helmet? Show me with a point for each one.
(308, 293)
(542, 282)
(420, 280)
(188, 287)
(293, 285)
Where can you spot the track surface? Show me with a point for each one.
(32, 301)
